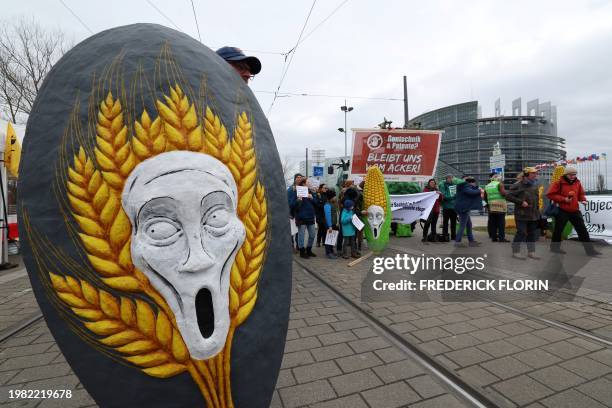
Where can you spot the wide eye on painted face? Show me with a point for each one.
(217, 213)
(161, 230)
(186, 232)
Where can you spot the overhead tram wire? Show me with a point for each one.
(322, 22)
(77, 17)
(198, 27)
(163, 15)
(292, 51)
(286, 53)
(196, 21)
(288, 94)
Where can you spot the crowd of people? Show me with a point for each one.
(457, 198)
(329, 211)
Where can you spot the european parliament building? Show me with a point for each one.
(468, 140)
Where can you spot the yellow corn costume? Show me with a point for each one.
(377, 203)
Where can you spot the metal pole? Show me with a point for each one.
(306, 162)
(606, 167)
(3, 204)
(345, 129)
(405, 104)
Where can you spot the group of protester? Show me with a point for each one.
(329, 212)
(457, 197)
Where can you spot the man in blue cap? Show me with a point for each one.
(246, 66)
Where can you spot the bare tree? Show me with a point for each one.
(27, 53)
(289, 167)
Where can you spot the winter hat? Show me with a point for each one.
(528, 170)
(348, 204)
(569, 169)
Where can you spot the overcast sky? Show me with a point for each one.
(451, 52)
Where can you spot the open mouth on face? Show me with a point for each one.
(205, 312)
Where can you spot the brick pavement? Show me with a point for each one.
(514, 360)
(335, 359)
(332, 359)
(16, 298)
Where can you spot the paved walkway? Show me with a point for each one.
(333, 358)
(16, 298)
(514, 360)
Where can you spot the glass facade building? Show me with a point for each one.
(468, 140)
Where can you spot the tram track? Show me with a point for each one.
(453, 382)
(19, 326)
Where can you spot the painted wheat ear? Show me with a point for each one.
(180, 122)
(113, 151)
(104, 225)
(133, 329)
(149, 139)
(252, 210)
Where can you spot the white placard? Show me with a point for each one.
(407, 208)
(597, 215)
(294, 228)
(302, 191)
(331, 238)
(357, 222)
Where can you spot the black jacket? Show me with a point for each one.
(519, 192)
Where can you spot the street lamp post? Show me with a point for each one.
(346, 110)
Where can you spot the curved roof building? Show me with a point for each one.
(468, 140)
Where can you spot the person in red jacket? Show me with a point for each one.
(432, 220)
(567, 193)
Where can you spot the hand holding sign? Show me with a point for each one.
(302, 191)
(357, 222)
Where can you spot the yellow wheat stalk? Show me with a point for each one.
(215, 138)
(105, 227)
(149, 138)
(131, 328)
(113, 151)
(180, 122)
(143, 337)
(249, 260)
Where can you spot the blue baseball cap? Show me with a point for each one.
(235, 54)
(348, 204)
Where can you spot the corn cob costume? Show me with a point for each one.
(376, 201)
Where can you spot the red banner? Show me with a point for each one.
(401, 155)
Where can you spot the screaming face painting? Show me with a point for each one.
(166, 221)
(185, 235)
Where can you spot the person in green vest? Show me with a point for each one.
(495, 197)
(448, 188)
